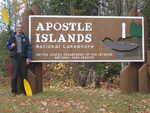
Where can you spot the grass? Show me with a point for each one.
(74, 100)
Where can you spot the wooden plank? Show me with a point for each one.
(32, 80)
(34, 69)
(35, 77)
(148, 57)
(129, 79)
(144, 79)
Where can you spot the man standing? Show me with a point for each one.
(20, 53)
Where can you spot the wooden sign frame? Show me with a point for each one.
(91, 17)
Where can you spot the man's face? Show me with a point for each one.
(19, 28)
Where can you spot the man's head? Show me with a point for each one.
(19, 28)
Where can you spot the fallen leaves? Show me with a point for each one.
(26, 102)
(8, 110)
(63, 105)
(75, 100)
(102, 110)
(44, 103)
(130, 106)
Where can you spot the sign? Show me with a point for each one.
(86, 38)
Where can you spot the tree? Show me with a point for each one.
(69, 7)
(146, 12)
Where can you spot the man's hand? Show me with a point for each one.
(13, 45)
(28, 60)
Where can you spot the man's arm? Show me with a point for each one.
(10, 45)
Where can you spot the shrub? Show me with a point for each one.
(4, 54)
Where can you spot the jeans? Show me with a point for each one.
(18, 73)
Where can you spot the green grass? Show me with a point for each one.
(74, 100)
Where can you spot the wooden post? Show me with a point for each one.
(129, 75)
(129, 79)
(35, 77)
(144, 75)
(135, 77)
(34, 69)
(144, 79)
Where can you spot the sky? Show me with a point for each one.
(0, 6)
(0, 11)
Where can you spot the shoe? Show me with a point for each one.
(13, 94)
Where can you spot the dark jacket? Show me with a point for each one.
(26, 46)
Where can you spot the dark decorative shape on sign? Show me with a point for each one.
(130, 46)
(121, 46)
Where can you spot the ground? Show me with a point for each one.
(73, 100)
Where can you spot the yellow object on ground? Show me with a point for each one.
(5, 16)
(27, 87)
